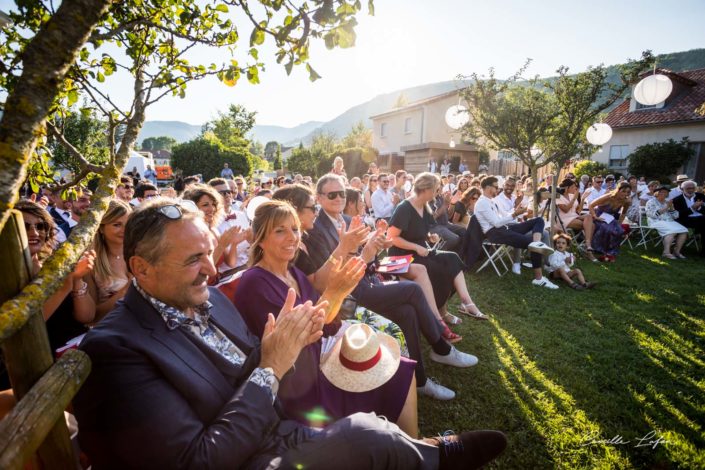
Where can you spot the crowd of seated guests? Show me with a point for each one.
(179, 362)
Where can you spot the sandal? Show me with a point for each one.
(668, 256)
(449, 335)
(471, 310)
(589, 285)
(577, 286)
(452, 319)
(679, 256)
(589, 254)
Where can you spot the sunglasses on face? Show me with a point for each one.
(226, 192)
(334, 194)
(39, 227)
(313, 209)
(128, 186)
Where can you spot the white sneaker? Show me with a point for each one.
(540, 247)
(543, 282)
(455, 358)
(435, 390)
(516, 268)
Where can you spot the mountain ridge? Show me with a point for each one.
(341, 124)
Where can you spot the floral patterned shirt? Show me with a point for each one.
(202, 328)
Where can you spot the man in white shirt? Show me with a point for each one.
(677, 191)
(502, 229)
(232, 218)
(506, 199)
(384, 200)
(445, 168)
(593, 192)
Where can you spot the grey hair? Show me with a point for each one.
(146, 227)
(327, 178)
(695, 185)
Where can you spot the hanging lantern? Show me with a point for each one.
(599, 133)
(457, 116)
(653, 89)
(451, 144)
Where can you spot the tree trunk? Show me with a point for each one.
(16, 311)
(45, 62)
(535, 180)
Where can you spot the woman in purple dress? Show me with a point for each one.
(608, 213)
(306, 395)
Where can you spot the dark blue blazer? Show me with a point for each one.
(60, 222)
(684, 212)
(158, 399)
(323, 239)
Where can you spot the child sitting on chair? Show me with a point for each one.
(561, 261)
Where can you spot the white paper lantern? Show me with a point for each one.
(457, 116)
(451, 144)
(599, 134)
(653, 89)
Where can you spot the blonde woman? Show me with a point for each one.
(110, 279)
(409, 230)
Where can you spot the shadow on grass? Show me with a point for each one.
(672, 397)
(569, 435)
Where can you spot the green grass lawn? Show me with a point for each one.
(561, 369)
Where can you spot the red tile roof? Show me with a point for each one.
(678, 109)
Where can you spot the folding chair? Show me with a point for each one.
(643, 232)
(496, 255)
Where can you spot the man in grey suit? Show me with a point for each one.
(179, 382)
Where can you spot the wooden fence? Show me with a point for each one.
(43, 389)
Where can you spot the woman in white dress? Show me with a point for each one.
(659, 213)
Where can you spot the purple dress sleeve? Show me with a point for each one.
(261, 292)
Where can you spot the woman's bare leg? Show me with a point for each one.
(409, 418)
(680, 241)
(418, 274)
(667, 242)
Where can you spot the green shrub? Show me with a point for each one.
(206, 157)
(590, 168)
(660, 160)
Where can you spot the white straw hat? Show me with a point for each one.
(362, 359)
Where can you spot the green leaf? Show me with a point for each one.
(221, 7)
(371, 7)
(257, 37)
(72, 96)
(330, 40)
(312, 74)
(253, 75)
(100, 77)
(254, 53)
(289, 65)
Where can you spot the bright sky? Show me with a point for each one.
(414, 42)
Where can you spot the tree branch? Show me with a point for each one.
(82, 161)
(54, 48)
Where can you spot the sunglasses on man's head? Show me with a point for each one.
(39, 227)
(334, 194)
(174, 212)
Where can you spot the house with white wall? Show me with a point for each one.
(410, 136)
(634, 125)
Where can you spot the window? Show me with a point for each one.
(383, 129)
(506, 155)
(407, 126)
(645, 106)
(618, 156)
